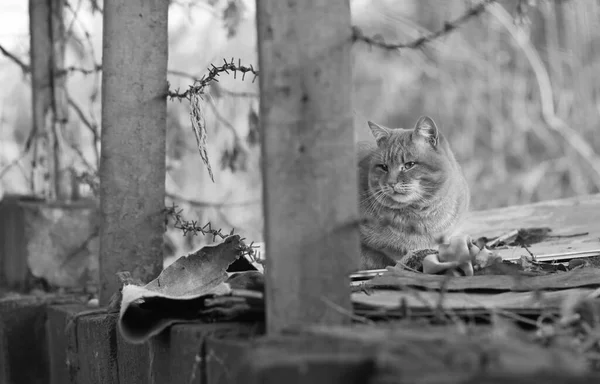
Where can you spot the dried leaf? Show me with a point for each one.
(253, 123)
(179, 292)
(199, 127)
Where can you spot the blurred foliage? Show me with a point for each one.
(479, 83)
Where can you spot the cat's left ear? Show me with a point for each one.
(427, 129)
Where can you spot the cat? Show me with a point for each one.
(412, 192)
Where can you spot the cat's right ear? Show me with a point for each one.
(381, 134)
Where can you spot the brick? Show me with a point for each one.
(97, 349)
(23, 356)
(62, 345)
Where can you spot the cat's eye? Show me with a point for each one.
(383, 167)
(409, 164)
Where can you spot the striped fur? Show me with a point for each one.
(407, 206)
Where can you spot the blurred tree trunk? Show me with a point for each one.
(551, 12)
(580, 104)
(49, 99)
(132, 165)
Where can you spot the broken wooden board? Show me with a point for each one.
(461, 301)
(565, 217)
(400, 279)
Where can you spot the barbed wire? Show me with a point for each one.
(213, 72)
(191, 227)
(449, 26)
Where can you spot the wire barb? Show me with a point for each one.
(213, 73)
(191, 227)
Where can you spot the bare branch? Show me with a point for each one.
(93, 128)
(211, 204)
(24, 67)
(176, 72)
(223, 120)
(8, 166)
(84, 71)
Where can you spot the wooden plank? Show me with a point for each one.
(62, 343)
(190, 359)
(566, 216)
(133, 361)
(132, 165)
(510, 301)
(97, 349)
(309, 160)
(579, 278)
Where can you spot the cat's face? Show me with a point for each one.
(410, 166)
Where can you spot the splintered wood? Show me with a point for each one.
(574, 216)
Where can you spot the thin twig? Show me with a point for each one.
(568, 236)
(85, 71)
(211, 204)
(528, 251)
(448, 27)
(24, 67)
(8, 166)
(179, 73)
(93, 128)
(75, 12)
(223, 120)
(238, 94)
